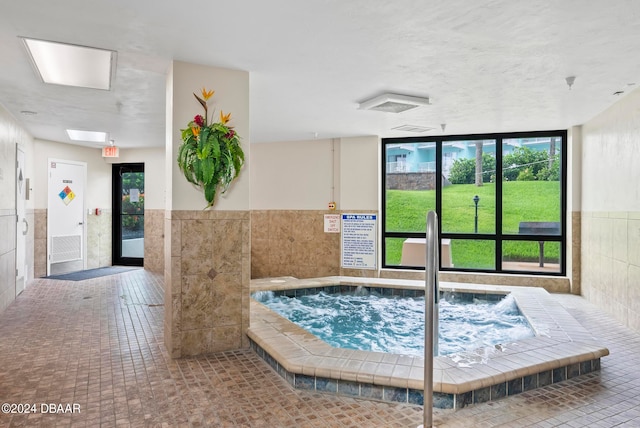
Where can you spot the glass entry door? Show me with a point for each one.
(128, 214)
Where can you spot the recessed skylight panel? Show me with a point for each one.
(89, 136)
(71, 65)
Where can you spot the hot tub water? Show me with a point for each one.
(371, 322)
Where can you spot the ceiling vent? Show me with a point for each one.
(412, 128)
(393, 103)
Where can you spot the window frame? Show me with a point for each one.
(498, 237)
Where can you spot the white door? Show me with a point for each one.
(22, 228)
(66, 226)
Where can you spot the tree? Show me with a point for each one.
(550, 174)
(478, 180)
(463, 171)
(524, 157)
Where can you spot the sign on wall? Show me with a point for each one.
(332, 223)
(358, 249)
(110, 152)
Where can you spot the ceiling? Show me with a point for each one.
(487, 66)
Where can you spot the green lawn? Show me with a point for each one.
(522, 201)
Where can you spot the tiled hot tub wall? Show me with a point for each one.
(441, 400)
(563, 349)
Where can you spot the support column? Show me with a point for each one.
(207, 252)
(574, 209)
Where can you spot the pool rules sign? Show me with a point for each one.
(358, 249)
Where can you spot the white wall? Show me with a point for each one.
(231, 96)
(611, 150)
(610, 233)
(292, 175)
(359, 173)
(307, 175)
(574, 170)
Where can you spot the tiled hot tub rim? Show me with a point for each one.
(563, 349)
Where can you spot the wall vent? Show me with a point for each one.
(66, 248)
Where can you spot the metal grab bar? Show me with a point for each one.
(433, 269)
(431, 297)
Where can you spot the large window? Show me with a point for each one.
(500, 199)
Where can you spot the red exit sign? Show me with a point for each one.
(110, 152)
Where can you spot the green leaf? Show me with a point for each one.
(197, 170)
(206, 150)
(238, 157)
(204, 134)
(185, 161)
(220, 128)
(208, 169)
(215, 145)
(210, 193)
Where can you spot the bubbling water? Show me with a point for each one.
(370, 322)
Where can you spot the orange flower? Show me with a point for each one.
(195, 130)
(207, 94)
(224, 118)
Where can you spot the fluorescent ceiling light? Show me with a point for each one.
(90, 136)
(71, 65)
(393, 103)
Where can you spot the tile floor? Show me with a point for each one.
(98, 344)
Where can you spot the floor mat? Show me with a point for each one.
(92, 273)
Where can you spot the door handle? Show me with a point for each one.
(26, 224)
(80, 224)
